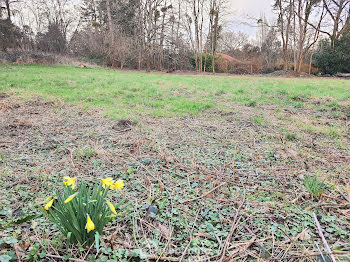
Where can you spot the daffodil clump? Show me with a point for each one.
(81, 212)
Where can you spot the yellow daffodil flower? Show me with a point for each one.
(119, 184)
(48, 205)
(107, 182)
(111, 207)
(70, 198)
(47, 199)
(69, 181)
(89, 224)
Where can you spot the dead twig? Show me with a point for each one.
(233, 228)
(204, 195)
(62, 258)
(172, 259)
(348, 191)
(323, 238)
(191, 236)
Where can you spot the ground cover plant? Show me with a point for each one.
(216, 168)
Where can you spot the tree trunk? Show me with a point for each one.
(110, 22)
(216, 27)
(7, 3)
(294, 43)
(111, 32)
(139, 59)
(311, 56)
(149, 57)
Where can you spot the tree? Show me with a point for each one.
(10, 35)
(270, 49)
(53, 40)
(339, 12)
(303, 11)
(197, 17)
(285, 10)
(229, 42)
(332, 58)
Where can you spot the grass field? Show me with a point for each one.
(235, 166)
(131, 94)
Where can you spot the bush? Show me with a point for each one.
(53, 40)
(332, 60)
(10, 35)
(81, 213)
(207, 61)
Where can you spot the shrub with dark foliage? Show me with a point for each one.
(10, 35)
(52, 41)
(332, 60)
(207, 63)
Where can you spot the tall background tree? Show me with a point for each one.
(174, 34)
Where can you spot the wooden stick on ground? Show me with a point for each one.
(62, 258)
(323, 238)
(191, 237)
(204, 195)
(233, 228)
(348, 191)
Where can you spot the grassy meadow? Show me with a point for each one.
(132, 94)
(216, 168)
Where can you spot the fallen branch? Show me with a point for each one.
(233, 228)
(173, 259)
(191, 236)
(62, 258)
(204, 195)
(348, 191)
(323, 238)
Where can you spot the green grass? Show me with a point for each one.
(257, 120)
(130, 94)
(315, 186)
(291, 136)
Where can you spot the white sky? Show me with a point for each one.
(247, 10)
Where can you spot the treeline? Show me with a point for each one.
(305, 36)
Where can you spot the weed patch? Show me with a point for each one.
(291, 136)
(315, 186)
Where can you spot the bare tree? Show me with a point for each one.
(198, 19)
(285, 14)
(303, 11)
(339, 12)
(231, 41)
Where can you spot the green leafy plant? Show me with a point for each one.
(315, 186)
(85, 154)
(291, 136)
(348, 114)
(251, 103)
(257, 120)
(81, 212)
(3, 158)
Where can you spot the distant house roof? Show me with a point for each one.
(230, 58)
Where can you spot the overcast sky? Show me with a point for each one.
(242, 9)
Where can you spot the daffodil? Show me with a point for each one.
(107, 182)
(119, 184)
(70, 198)
(47, 199)
(69, 181)
(48, 205)
(89, 224)
(111, 207)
